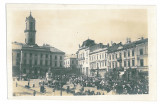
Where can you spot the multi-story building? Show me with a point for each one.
(83, 56)
(29, 59)
(70, 61)
(131, 55)
(98, 59)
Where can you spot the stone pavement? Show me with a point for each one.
(20, 90)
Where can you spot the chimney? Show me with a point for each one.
(107, 44)
(128, 40)
(111, 43)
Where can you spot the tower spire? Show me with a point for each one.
(30, 13)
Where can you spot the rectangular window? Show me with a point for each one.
(128, 53)
(60, 64)
(124, 63)
(116, 64)
(141, 51)
(113, 57)
(112, 64)
(55, 63)
(18, 55)
(116, 56)
(132, 52)
(55, 57)
(120, 64)
(124, 54)
(120, 55)
(97, 57)
(133, 63)
(51, 57)
(46, 55)
(51, 63)
(41, 55)
(102, 56)
(30, 54)
(110, 57)
(105, 63)
(46, 62)
(41, 62)
(141, 62)
(35, 62)
(128, 63)
(60, 57)
(30, 62)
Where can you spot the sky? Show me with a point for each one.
(65, 27)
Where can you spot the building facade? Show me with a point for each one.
(83, 57)
(31, 60)
(70, 61)
(98, 60)
(92, 58)
(131, 55)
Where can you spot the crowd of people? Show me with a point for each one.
(119, 86)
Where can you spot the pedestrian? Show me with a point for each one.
(33, 85)
(28, 83)
(34, 93)
(16, 84)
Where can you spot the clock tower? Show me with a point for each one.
(30, 32)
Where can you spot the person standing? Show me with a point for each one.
(16, 84)
(34, 93)
(28, 83)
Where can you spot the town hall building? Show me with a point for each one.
(31, 60)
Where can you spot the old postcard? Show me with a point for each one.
(85, 52)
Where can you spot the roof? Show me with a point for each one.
(53, 49)
(133, 44)
(97, 47)
(30, 16)
(17, 45)
(116, 47)
(88, 43)
(71, 56)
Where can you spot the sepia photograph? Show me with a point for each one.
(80, 50)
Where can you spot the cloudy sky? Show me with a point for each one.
(65, 27)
